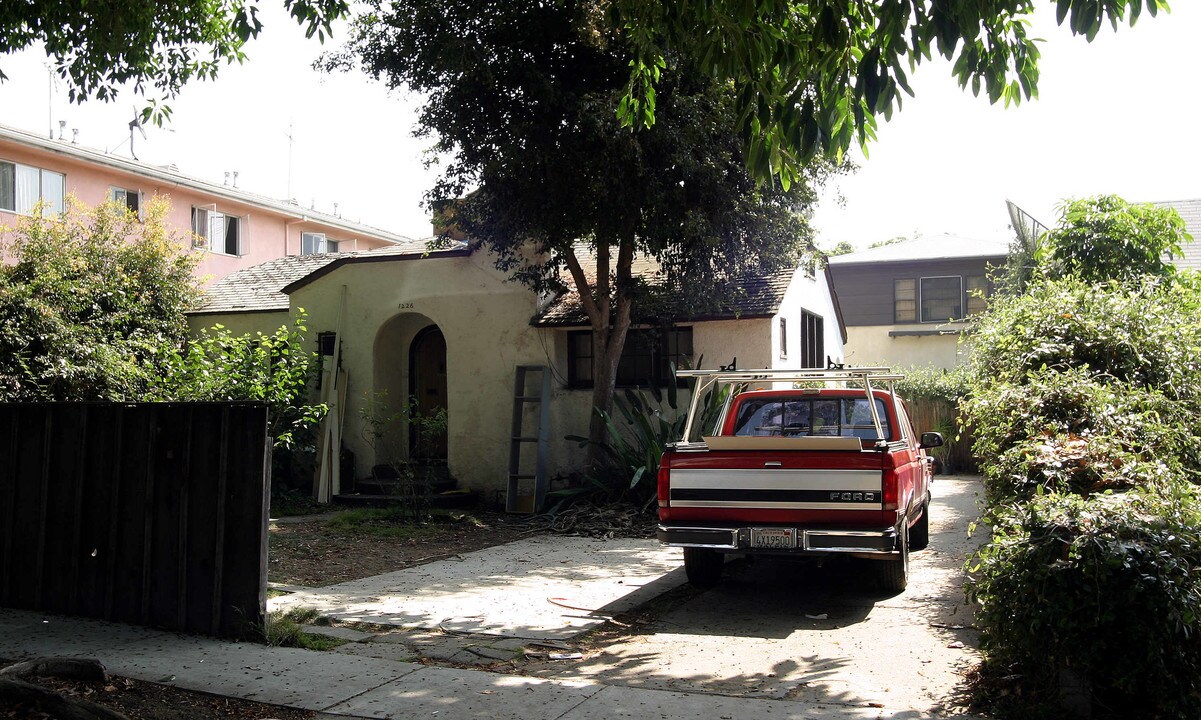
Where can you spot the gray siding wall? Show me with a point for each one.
(865, 291)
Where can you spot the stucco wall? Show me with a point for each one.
(872, 345)
(485, 321)
(814, 295)
(266, 234)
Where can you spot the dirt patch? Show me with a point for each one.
(139, 700)
(311, 553)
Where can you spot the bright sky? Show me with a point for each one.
(1119, 115)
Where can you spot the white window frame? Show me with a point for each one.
(204, 228)
(921, 309)
(320, 243)
(121, 195)
(58, 207)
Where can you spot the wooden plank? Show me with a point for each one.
(130, 569)
(114, 514)
(78, 515)
(243, 596)
(204, 467)
(27, 501)
(219, 518)
(185, 483)
(96, 491)
(44, 489)
(9, 428)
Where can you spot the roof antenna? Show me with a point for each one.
(135, 123)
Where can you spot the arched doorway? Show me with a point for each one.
(427, 385)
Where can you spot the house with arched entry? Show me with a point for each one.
(407, 331)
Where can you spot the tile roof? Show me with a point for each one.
(933, 247)
(265, 287)
(752, 297)
(1190, 212)
(259, 288)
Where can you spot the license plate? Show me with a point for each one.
(773, 538)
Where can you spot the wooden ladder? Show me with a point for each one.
(515, 500)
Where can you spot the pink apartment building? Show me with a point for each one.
(236, 229)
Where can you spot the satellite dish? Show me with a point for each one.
(1029, 230)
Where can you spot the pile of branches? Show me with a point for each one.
(587, 519)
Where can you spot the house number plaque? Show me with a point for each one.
(406, 306)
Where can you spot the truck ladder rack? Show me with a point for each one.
(712, 379)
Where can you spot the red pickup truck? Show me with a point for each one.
(798, 471)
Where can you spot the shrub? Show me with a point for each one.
(1107, 588)
(91, 304)
(1138, 337)
(1105, 238)
(1075, 431)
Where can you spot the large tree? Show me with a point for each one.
(97, 46)
(813, 76)
(520, 96)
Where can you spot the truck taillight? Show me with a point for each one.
(890, 490)
(664, 484)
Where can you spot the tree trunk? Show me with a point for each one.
(608, 306)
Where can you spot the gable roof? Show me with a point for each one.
(265, 287)
(761, 297)
(933, 247)
(174, 177)
(259, 288)
(1190, 212)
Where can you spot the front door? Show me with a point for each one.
(427, 385)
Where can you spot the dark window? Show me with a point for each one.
(131, 199)
(813, 340)
(845, 417)
(218, 232)
(783, 338)
(646, 358)
(977, 293)
(942, 298)
(904, 299)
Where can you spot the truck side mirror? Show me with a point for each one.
(931, 440)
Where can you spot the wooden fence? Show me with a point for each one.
(943, 417)
(151, 514)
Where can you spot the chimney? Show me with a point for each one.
(62, 128)
(336, 210)
(226, 177)
(74, 136)
(235, 178)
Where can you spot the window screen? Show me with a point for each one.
(942, 298)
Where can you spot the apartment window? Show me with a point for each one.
(783, 337)
(131, 199)
(22, 187)
(314, 243)
(646, 358)
(942, 298)
(977, 293)
(904, 300)
(813, 340)
(220, 233)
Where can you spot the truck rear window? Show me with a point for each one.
(845, 417)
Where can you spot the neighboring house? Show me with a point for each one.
(449, 330)
(236, 229)
(1190, 212)
(905, 303)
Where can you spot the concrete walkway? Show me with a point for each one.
(339, 686)
(549, 587)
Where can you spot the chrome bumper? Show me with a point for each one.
(809, 540)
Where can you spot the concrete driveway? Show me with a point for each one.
(819, 637)
(816, 635)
